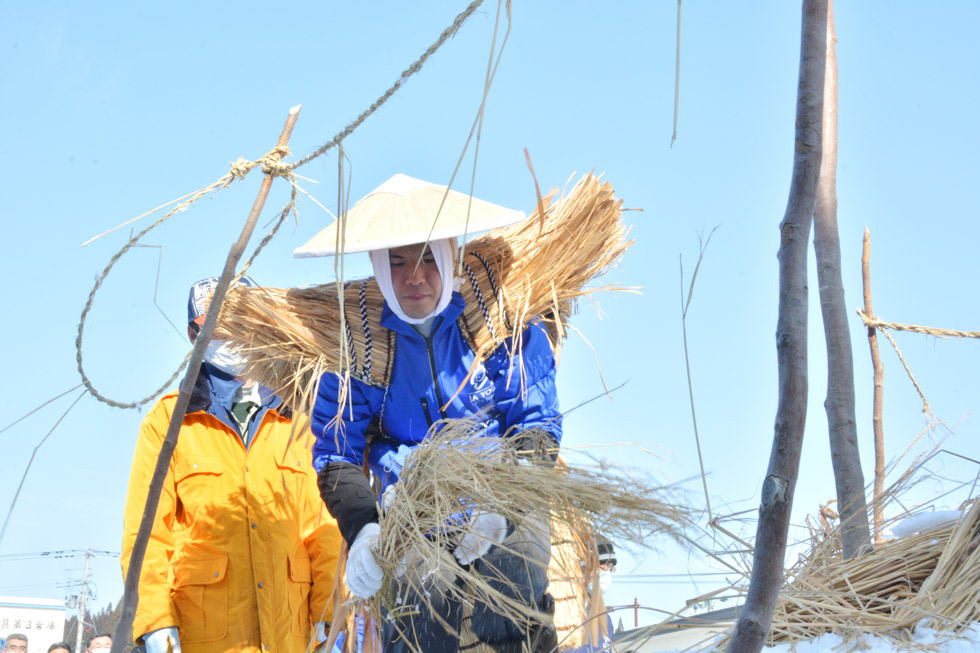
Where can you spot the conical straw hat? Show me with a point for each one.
(402, 211)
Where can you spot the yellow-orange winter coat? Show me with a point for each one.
(243, 553)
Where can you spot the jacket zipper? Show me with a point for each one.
(432, 369)
(425, 409)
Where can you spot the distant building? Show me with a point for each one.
(42, 620)
(688, 633)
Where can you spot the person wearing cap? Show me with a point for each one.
(600, 636)
(409, 228)
(242, 556)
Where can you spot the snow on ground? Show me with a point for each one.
(923, 639)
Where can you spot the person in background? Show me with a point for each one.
(607, 565)
(242, 555)
(100, 643)
(15, 643)
(60, 647)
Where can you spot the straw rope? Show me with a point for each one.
(270, 163)
(876, 323)
(448, 33)
(535, 270)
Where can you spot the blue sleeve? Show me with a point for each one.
(533, 403)
(340, 430)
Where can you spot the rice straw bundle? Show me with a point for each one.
(536, 269)
(455, 470)
(931, 577)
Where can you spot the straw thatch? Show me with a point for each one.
(536, 269)
(929, 578)
(456, 469)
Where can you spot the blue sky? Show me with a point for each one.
(111, 109)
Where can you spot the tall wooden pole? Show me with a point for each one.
(840, 403)
(791, 342)
(131, 594)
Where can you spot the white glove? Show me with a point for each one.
(363, 573)
(320, 631)
(165, 640)
(484, 530)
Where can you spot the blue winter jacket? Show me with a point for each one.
(425, 374)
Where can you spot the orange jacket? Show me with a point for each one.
(243, 553)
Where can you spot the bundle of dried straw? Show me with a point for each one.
(536, 269)
(930, 578)
(457, 469)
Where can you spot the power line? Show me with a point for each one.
(70, 553)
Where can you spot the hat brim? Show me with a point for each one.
(406, 211)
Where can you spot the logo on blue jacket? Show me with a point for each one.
(480, 390)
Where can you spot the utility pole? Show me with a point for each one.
(81, 603)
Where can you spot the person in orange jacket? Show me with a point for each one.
(243, 555)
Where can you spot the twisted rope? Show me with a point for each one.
(496, 289)
(366, 327)
(448, 33)
(272, 165)
(238, 170)
(479, 299)
(875, 323)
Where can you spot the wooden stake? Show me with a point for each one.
(879, 382)
(131, 593)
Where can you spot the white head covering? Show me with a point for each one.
(442, 252)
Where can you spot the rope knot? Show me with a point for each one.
(241, 167)
(272, 162)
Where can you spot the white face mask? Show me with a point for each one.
(605, 579)
(221, 354)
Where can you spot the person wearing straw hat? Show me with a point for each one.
(409, 228)
(242, 555)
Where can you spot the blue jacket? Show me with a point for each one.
(426, 374)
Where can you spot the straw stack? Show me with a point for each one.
(534, 270)
(931, 577)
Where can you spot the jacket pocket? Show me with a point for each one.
(200, 594)
(300, 581)
(198, 485)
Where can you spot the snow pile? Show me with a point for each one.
(923, 639)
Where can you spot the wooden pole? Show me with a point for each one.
(840, 403)
(131, 593)
(879, 382)
(756, 615)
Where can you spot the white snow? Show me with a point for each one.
(967, 642)
(924, 522)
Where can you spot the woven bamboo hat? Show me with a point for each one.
(406, 211)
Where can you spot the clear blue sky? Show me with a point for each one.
(110, 109)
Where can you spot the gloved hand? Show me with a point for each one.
(391, 463)
(483, 531)
(388, 496)
(320, 631)
(363, 572)
(157, 640)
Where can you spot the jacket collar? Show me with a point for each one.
(214, 390)
(448, 316)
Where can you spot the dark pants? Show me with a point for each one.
(518, 569)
